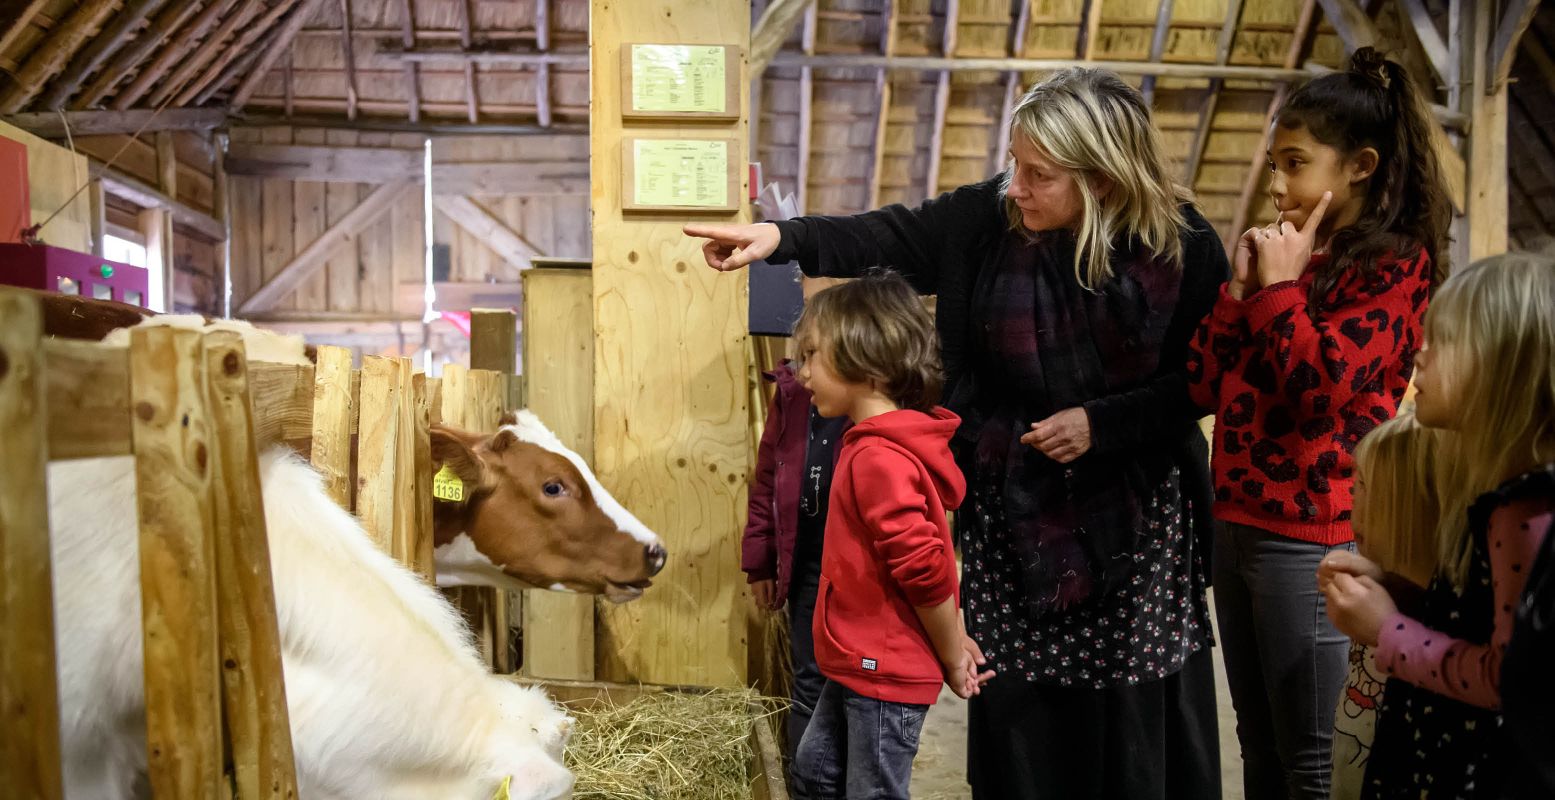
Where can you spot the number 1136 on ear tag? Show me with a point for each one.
(447, 486)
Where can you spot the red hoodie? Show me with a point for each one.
(888, 551)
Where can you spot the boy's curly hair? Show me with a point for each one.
(876, 330)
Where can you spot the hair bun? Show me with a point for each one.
(1369, 62)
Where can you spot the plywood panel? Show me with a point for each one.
(54, 174)
(671, 432)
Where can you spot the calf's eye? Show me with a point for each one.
(554, 489)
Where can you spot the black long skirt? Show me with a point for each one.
(1156, 740)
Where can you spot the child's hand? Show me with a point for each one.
(961, 669)
(1244, 266)
(1358, 607)
(764, 592)
(729, 247)
(1063, 437)
(1284, 251)
(1345, 562)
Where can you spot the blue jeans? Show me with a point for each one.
(1286, 664)
(857, 748)
(805, 690)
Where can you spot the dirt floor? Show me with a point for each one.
(940, 771)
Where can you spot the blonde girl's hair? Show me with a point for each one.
(1491, 330)
(1094, 125)
(876, 330)
(1398, 461)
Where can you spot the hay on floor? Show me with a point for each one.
(666, 746)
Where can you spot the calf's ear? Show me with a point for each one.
(455, 449)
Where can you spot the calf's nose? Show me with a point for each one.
(655, 556)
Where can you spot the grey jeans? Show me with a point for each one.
(1285, 662)
(857, 748)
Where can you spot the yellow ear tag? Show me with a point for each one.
(447, 486)
(505, 788)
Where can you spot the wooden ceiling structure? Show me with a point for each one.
(864, 102)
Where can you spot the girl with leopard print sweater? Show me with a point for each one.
(1308, 348)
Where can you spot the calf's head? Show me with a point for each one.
(533, 515)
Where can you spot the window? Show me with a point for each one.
(124, 251)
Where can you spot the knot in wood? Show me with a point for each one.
(5, 364)
(145, 411)
(229, 364)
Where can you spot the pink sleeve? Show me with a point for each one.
(1456, 668)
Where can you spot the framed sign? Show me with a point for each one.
(680, 175)
(680, 82)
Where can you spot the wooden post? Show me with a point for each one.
(559, 369)
(494, 349)
(421, 545)
(99, 218)
(29, 694)
(1487, 200)
(255, 693)
(171, 434)
(334, 406)
(386, 454)
(671, 436)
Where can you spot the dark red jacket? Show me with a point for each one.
(772, 517)
(888, 552)
(1292, 395)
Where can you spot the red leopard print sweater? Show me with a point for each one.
(1292, 396)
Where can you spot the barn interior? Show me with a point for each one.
(376, 175)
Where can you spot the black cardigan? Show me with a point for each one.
(941, 248)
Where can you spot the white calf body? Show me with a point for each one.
(387, 696)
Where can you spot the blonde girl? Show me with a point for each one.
(1487, 376)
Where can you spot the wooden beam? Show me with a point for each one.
(883, 94)
(1089, 30)
(941, 102)
(100, 49)
(317, 253)
(249, 52)
(1352, 24)
(350, 57)
(466, 38)
(171, 53)
(412, 69)
(1431, 42)
(1163, 26)
(1013, 88)
(171, 19)
(1487, 168)
(383, 164)
(291, 82)
(492, 232)
(29, 689)
(1207, 113)
(435, 128)
(543, 71)
(167, 183)
(218, 73)
(282, 44)
(1503, 51)
(50, 125)
(806, 113)
(189, 65)
(147, 196)
(50, 57)
(1305, 24)
(773, 28)
(19, 23)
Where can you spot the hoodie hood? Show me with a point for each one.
(927, 438)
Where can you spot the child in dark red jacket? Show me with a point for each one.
(1309, 348)
(888, 629)
(786, 523)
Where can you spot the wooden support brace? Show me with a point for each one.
(253, 688)
(171, 431)
(1503, 51)
(1430, 39)
(1352, 24)
(334, 406)
(317, 253)
(49, 124)
(29, 692)
(1163, 26)
(492, 232)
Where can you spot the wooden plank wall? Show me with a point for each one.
(670, 426)
(274, 219)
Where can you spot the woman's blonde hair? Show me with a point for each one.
(1094, 125)
(1491, 330)
(1397, 462)
(876, 330)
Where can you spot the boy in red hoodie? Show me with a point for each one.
(887, 625)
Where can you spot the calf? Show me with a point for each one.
(386, 694)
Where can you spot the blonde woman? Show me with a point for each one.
(1068, 288)
(1396, 511)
